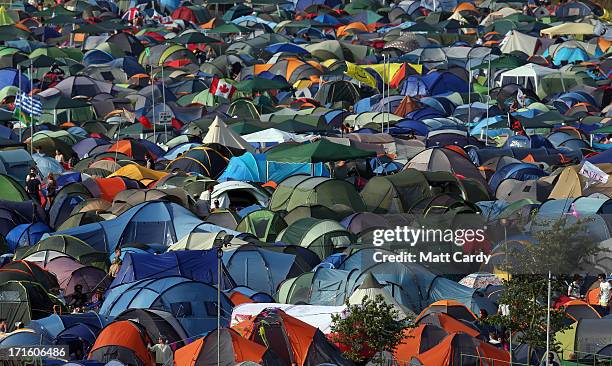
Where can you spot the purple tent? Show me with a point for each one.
(70, 273)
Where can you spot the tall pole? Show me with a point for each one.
(164, 101)
(153, 101)
(469, 121)
(382, 100)
(219, 264)
(19, 96)
(31, 103)
(548, 320)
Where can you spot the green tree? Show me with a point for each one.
(560, 247)
(369, 329)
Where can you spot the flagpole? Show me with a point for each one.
(19, 96)
(32, 102)
(153, 102)
(164, 101)
(548, 320)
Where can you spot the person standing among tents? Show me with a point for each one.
(33, 185)
(51, 187)
(604, 295)
(573, 291)
(116, 265)
(163, 352)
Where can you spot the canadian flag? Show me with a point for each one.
(222, 88)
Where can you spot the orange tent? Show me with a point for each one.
(459, 349)
(465, 7)
(579, 309)
(292, 340)
(451, 307)
(418, 340)
(122, 340)
(448, 323)
(592, 297)
(109, 187)
(237, 298)
(355, 27)
(234, 349)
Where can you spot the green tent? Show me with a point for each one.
(24, 301)
(10, 190)
(259, 84)
(264, 224)
(48, 248)
(295, 289)
(320, 151)
(300, 190)
(323, 237)
(503, 62)
(397, 193)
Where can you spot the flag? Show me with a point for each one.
(131, 14)
(516, 126)
(145, 121)
(176, 123)
(222, 88)
(360, 74)
(27, 107)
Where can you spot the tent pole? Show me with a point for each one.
(548, 321)
(153, 101)
(31, 103)
(19, 95)
(164, 101)
(469, 69)
(219, 264)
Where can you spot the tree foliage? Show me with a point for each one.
(561, 247)
(369, 329)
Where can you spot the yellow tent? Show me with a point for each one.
(5, 18)
(568, 29)
(139, 173)
(567, 339)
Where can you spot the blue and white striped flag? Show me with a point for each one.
(28, 104)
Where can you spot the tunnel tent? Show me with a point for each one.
(263, 223)
(23, 301)
(321, 236)
(63, 245)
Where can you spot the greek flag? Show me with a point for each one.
(28, 104)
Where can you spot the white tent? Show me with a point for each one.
(221, 193)
(272, 136)
(316, 315)
(370, 287)
(527, 73)
(219, 133)
(517, 41)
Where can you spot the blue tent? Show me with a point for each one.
(53, 326)
(16, 164)
(434, 83)
(47, 165)
(254, 168)
(198, 265)
(192, 303)
(96, 57)
(259, 269)
(10, 77)
(518, 171)
(26, 235)
(23, 338)
(153, 222)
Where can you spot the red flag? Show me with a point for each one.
(145, 121)
(222, 88)
(176, 123)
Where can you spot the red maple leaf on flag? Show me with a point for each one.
(224, 89)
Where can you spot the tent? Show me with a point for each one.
(292, 340)
(234, 349)
(16, 164)
(219, 133)
(236, 195)
(11, 190)
(322, 150)
(529, 76)
(321, 236)
(398, 193)
(300, 190)
(371, 288)
(193, 303)
(156, 323)
(197, 265)
(125, 341)
(260, 269)
(262, 223)
(24, 301)
(156, 222)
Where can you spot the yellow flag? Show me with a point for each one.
(360, 74)
(388, 71)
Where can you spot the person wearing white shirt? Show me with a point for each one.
(163, 353)
(604, 294)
